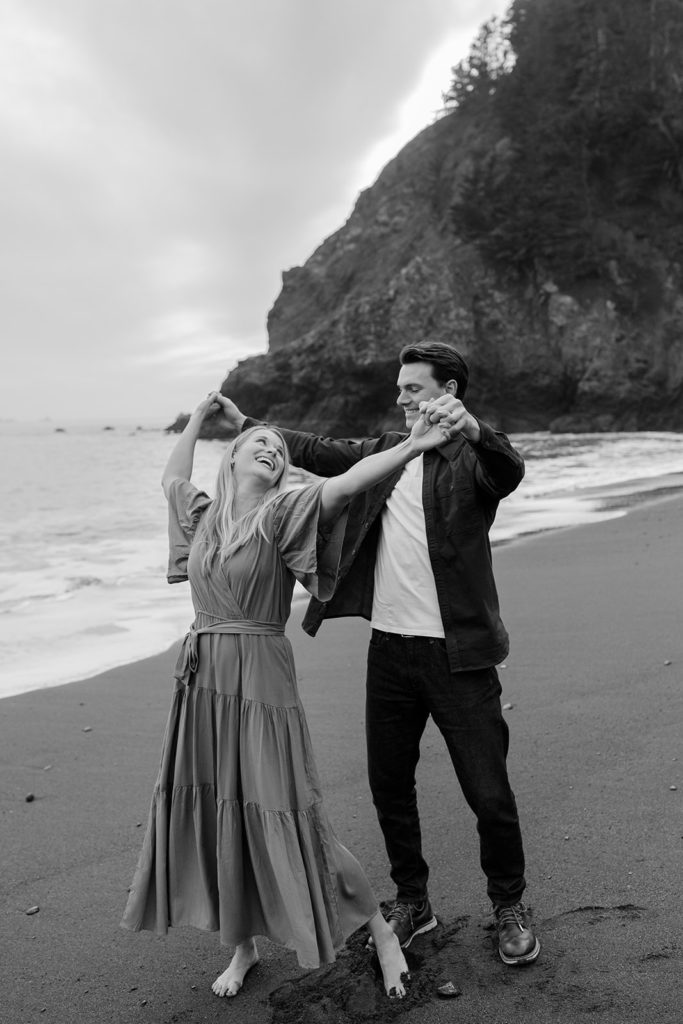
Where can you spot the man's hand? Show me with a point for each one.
(452, 416)
(424, 434)
(225, 414)
(207, 407)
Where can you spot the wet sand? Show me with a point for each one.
(595, 682)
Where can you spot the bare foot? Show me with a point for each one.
(393, 963)
(231, 980)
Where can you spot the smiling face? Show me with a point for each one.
(416, 383)
(260, 457)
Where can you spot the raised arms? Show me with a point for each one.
(181, 459)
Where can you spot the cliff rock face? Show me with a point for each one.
(608, 356)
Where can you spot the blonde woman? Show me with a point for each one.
(238, 840)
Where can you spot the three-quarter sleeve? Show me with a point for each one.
(185, 506)
(310, 552)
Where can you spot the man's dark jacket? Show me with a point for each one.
(462, 486)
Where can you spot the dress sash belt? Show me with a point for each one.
(188, 658)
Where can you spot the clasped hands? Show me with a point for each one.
(449, 415)
(226, 413)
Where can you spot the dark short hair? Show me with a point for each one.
(445, 361)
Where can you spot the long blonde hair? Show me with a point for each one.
(222, 533)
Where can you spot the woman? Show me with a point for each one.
(238, 840)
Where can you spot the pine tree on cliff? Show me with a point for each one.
(584, 105)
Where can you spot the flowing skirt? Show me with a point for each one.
(238, 840)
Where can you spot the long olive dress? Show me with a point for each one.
(237, 839)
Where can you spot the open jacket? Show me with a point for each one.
(462, 486)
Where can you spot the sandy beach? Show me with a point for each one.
(594, 688)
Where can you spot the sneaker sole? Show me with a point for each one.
(420, 931)
(519, 961)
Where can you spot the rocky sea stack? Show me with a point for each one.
(537, 225)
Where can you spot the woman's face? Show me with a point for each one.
(260, 457)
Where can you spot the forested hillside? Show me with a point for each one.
(581, 102)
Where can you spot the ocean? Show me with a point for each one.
(83, 531)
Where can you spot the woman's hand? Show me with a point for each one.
(222, 411)
(337, 491)
(228, 416)
(425, 434)
(449, 412)
(179, 465)
(207, 407)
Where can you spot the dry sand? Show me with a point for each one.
(595, 683)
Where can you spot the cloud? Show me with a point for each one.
(166, 161)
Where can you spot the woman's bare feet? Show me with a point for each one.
(231, 980)
(390, 956)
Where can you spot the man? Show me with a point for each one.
(417, 563)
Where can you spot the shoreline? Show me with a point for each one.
(611, 501)
(594, 695)
(593, 505)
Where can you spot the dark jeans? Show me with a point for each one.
(408, 680)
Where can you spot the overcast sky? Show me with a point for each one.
(163, 161)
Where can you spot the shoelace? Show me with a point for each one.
(512, 915)
(400, 912)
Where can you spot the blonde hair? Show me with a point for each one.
(220, 531)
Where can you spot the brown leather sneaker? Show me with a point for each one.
(409, 920)
(517, 944)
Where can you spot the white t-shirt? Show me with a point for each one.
(405, 598)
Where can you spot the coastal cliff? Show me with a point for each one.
(554, 266)
(540, 357)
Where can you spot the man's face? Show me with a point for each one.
(416, 384)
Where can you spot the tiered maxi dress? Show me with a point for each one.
(237, 839)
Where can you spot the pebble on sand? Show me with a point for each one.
(448, 991)
(508, 707)
(29, 798)
(32, 910)
(673, 787)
